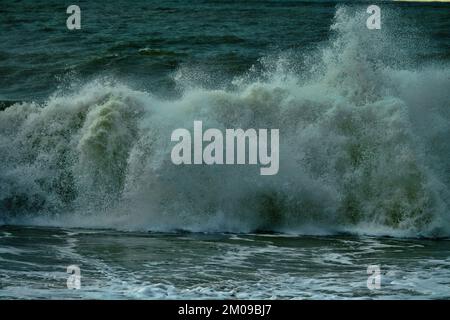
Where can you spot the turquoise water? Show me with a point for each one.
(85, 172)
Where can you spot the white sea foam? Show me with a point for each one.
(363, 148)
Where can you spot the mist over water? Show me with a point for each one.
(364, 146)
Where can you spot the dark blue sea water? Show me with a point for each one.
(85, 172)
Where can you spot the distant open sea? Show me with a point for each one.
(86, 178)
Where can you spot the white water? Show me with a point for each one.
(363, 138)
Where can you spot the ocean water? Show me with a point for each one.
(85, 171)
(136, 265)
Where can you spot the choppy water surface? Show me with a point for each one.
(124, 265)
(85, 124)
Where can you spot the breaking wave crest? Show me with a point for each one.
(363, 148)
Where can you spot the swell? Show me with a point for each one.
(363, 148)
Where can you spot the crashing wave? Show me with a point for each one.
(363, 149)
